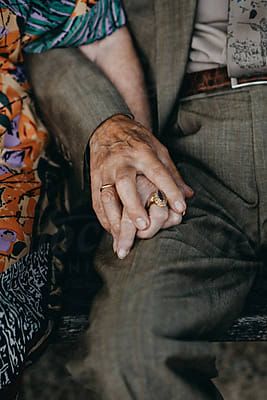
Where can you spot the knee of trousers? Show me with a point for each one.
(138, 318)
(162, 308)
(132, 331)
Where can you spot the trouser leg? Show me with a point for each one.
(157, 307)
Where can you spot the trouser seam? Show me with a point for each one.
(253, 144)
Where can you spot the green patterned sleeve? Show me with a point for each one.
(70, 23)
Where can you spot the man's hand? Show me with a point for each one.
(120, 150)
(159, 217)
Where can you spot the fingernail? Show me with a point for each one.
(141, 223)
(183, 214)
(189, 189)
(180, 206)
(122, 253)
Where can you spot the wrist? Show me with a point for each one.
(104, 126)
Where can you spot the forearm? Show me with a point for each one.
(116, 57)
(74, 98)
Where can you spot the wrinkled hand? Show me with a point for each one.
(121, 149)
(159, 217)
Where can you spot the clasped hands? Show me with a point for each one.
(131, 163)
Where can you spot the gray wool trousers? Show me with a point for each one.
(151, 323)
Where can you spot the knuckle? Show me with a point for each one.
(127, 222)
(165, 152)
(141, 147)
(105, 226)
(144, 146)
(116, 228)
(107, 195)
(135, 213)
(176, 219)
(146, 152)
(159, 216)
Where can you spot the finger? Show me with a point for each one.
(130, 198)
(158, 174)
(158, 217)
(188, 191)
(173, 219)
(97, 202)
(145, 188)
(127, 236)
(165, 158)
(112, 209)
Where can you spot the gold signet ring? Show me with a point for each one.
(158, 198)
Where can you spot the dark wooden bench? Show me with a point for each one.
(252, 323)
(250, 326)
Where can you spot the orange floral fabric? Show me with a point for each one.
(22, 141)
(34, 26)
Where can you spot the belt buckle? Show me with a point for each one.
(236, 85)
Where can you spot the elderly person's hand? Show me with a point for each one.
(120, 150)
(160, 217)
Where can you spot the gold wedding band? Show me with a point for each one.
(158, 198)
(107, 185)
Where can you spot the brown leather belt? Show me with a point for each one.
(215, 79)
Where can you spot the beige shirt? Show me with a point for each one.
(208, 48)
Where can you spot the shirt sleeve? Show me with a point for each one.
(70, 23)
